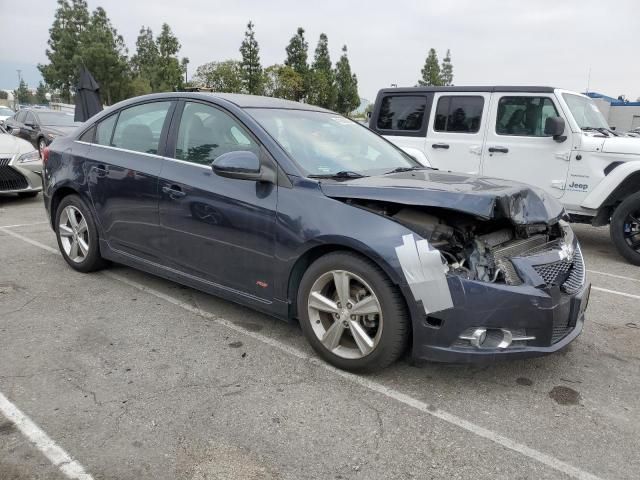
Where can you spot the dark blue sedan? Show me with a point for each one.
(304, 214)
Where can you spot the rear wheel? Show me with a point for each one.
(77, 235)
(625, 228)
(351, 313)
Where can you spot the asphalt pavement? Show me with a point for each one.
(122, 375)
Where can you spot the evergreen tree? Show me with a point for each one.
(41, 94)
(446, 70)
(23, 94)
(103, 52)
(322, 83)
(184, 63)
(220, 76)
(146, 56)
(347, 99)
(251, 71)
(70, 21)
(169, 71)
(297, 54)
(431, 70)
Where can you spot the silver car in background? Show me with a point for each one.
(20, 166)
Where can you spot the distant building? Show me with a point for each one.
(622, 114)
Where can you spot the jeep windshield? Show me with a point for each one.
(586, 113)
(327, 145)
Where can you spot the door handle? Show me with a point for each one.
(101, 170)
(174, 192)
(440, 145)
(498, 149)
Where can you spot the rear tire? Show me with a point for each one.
(625, 228)
(368, 341)
(77, 235)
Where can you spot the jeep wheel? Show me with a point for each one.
(625, 228)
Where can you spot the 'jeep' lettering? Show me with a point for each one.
(578, 186)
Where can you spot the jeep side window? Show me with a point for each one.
(401, 113)
(461, 114)
(524, 116)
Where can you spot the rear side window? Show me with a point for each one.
(461, 114)
(404, 113)
(205, 133)
(20, 116)
(104, 130)
(139, 128)
(524, 116)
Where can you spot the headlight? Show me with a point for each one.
(51, 136)
(33, 156)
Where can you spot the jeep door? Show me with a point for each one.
(517, 147)
(455, 136)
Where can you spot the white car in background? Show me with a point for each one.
(20, 166)
(5, 112)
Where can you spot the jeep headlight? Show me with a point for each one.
(29, 157)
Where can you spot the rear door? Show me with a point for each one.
(517, 148)
(122, 170)
(456, 131)
(217, 229)
(30, 129)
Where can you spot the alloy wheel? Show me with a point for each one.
(74, 234)
(345, 314)
(632, 231)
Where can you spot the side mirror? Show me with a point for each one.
(554, 127)
(243, 165)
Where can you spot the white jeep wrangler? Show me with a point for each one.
(547, 137)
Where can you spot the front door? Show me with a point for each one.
(456, 131)
(517, 148)
(217, 229)
(122, 171)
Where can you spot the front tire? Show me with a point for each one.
(77, 235)
(625, 228)
(351, 313)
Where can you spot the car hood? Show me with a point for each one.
(487, 198)
(55, 130)
(11, 145)
(627, 145)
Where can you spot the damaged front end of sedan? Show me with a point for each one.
(494, 265)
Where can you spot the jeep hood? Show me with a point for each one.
(487, 198)
(627, 145)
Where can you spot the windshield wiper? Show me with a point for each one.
(408, 169)
(605, 131)
(340, 174)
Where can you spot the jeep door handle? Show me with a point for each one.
(174, 192)
(101, 170)
(498, 149)
(440, 145)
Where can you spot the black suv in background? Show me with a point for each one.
(40, 126)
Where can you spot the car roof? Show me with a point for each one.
(485, 88)
(238, 99)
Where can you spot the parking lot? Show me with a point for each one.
(121, 375)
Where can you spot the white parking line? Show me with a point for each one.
(621, 277)
(56, 455)
(22, 225)
(377, 387)
(615, 292)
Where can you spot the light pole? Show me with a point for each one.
(15, 97)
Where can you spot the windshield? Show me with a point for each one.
(326, 143)
(6, 112)
(585, 112)
(57, 119)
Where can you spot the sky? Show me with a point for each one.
(569, 44)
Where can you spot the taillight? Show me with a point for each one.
(45, 155)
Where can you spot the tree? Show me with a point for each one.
(23, 94)
(3, 95)
(146, 59)
(446, 70)
(220, 76)
(282, 81)
(431, 70)
(297, 54)
(347, 99)
(103, 52)
(169, 72)
(251, 71)
(184, 63)
(41, 94)
(322, 83)
(70, 21)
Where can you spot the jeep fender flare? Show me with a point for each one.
(418, 155)
(621, 182)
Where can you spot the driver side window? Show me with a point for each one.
(524, 116)
(206, 132)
